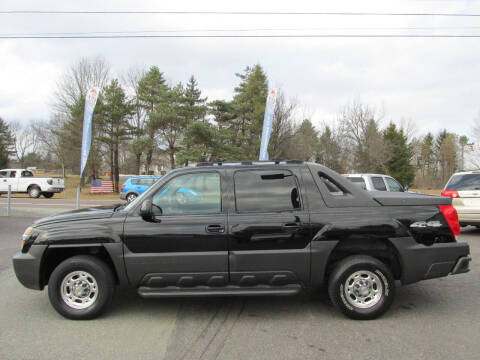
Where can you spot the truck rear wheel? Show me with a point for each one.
(34, 192)
(362, 287)
(81, 287)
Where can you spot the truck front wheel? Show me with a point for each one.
(81, 287)
(48, 195)
(362, 287)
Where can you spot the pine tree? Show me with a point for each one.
(114, 110)
(6, 142)
(250, 97)
(398, 155)
(151, 92)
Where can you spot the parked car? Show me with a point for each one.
(24, 181)
(135, 186)
(266, 228)
(376, 182)
(464, 189)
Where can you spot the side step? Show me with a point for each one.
(229, 290)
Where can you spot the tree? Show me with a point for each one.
(6, 143)
(250, 97)
(151, 92)
(138, 119)
(194, 110)
(305, 142)
(25, 140)
(398, 155)
(283, 129)
(330, 152)
(360, 130)
(114, 111)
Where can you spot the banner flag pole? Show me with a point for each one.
(268, 123)
(90, 101)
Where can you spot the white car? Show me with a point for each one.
(23, 181)
(376, 182)
(464, 189)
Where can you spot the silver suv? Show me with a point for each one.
(464, 189)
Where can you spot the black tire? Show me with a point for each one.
(373, 284)
(34, 192)
(130, 197)
(48, 195)
(93, 267)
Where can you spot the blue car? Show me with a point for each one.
(134, 186)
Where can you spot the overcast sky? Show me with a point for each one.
(433, 82)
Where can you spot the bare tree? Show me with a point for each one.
(78, 79)
(25, 140)
(359, 127)
(283, 130)
(49, 140)
(138, 119)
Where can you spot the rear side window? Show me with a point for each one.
(464, 182)
(27, 174)
(359, 182)
(135, 181)
(266, 191)
(378, 183)
(332, 187)
(148, 182)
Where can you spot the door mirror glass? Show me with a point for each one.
(146, 210)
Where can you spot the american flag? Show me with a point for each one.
(101, 187)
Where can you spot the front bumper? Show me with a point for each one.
(27, 266)
(420, 262)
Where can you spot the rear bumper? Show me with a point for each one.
(420, 262)
(123, 195)
(53, 189)
(27, 266)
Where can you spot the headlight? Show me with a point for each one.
(50, 182)
(27, 233)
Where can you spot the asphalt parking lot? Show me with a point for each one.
(434, 319)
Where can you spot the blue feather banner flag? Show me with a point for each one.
(268, 123)
(90, 101)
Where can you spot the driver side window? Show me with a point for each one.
(197, 193)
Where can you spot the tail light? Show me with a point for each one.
(450, 193)
(123, 187)
(451, 216)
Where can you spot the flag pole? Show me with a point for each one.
(90, 101)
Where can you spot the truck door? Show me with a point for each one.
(269, 229)
(10, 179)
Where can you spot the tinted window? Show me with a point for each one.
(393, 185)
(189, 194)
(464, 182)
(359, 182)
(27, 174)
(264, 191)
(13, 174)
(378, 183)
(135, 181)
(3, 174)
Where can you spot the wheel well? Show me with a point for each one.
(132, 192)
(379, 249)
(54, 256)
(33, 185)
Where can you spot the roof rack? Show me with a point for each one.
(249, 162)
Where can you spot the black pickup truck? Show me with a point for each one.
(249, 228)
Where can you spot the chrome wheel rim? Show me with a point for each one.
(363, 289)
(79, 290)
(131, 197)
(34, 192)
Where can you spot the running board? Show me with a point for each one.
(230, 290)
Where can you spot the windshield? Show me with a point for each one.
(464, 182)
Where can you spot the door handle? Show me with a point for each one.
(215, 228)
(291, 227)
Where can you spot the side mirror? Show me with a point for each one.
(146, 210)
